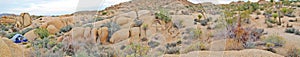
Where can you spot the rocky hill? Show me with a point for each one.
(153, 28)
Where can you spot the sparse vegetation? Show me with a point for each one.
(163, 15)
(26, 30)
(274, 39)
(43, 33)
(66, 28)
(138, 50)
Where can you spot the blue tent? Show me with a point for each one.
(18, 38)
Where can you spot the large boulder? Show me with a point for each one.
(94, 34)
(5, 50)
(135, 31)
(52, 29)
(123, 20)
(26, 19)
(57, 23)
(31, 35)
(78, 34)
(103, 35)
(17, 50)
(119, 36)
(87, 33)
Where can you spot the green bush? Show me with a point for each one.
(104, 13)
(163, 15)
(99, 19)
(195, 47)
(43, 33)
(199, 16)
(138, 50)
(275, 15)
(290, 30)
(274, 39)
(297, 32)
(66, 28)
(249, 45)
(197, 33)
(271, 21)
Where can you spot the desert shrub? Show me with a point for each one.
(274, 39)
(66, 28)
(293, 52)
(290, 30)
(47, 44)
(271, 21)
(104, 13)
(112, 28)
(195, 47)
(199, 16)
(172, 48)
(43, 33)
(138, 50)
(26, 30)
(297, 32)
(197, 33)
(249, 45)
(153, 44)
(204, 22)
(163, 15)
(231, 21)
(99, 19)
(286, 10)
(275, 15)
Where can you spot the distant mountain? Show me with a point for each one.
(5, 14)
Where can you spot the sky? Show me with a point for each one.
(59, 7)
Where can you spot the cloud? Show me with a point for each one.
(58, 7)
(43, 7)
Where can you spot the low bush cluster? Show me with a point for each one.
(273, 40)
(43, 33)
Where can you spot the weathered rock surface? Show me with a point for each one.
(52, 29)
(5, 50)
(31, 35)
(103, 35)
(120, 35)
(242, 53)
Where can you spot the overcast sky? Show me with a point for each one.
(58, 7)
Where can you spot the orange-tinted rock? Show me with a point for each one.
(103, 35)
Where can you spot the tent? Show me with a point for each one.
(18, 38)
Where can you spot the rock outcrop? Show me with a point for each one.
(119, 36)
(5, 50)
(52, 29)
(24, 20)
(31, 35)
(103, 35)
